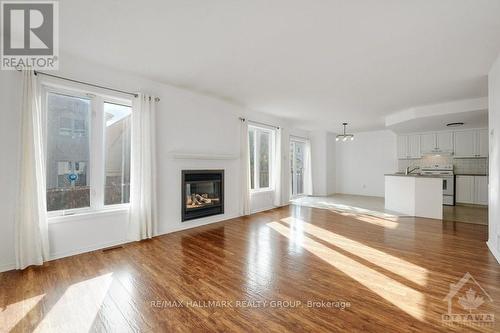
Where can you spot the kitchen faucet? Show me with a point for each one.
(408, 171)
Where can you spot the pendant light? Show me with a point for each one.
(344, 136)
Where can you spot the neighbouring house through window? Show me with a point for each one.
(260, 147)
(87, 150)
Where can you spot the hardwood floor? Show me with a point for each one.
(393, 273)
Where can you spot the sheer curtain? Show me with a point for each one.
(308, 188)
(143, 205)
(277, 167)
(31, 228)
(244, 169)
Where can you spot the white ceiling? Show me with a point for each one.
(471, 119)
(318, 62)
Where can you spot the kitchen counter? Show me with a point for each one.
(472, 174)
(415, 175)
(414, 195)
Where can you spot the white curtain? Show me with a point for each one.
(277, 168)
(244, 169)
(143, 205)
(31, 228)
(308, 187)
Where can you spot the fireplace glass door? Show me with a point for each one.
(202, 193)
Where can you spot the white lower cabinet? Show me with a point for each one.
(472, 190)
(481, 190)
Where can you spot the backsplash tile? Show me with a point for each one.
(460, 165)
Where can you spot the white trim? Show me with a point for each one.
(493, 251)
(86, 249)
(260, 210)
(261, 190)
(90, 213)
(7, 267)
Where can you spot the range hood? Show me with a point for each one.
(437, 153)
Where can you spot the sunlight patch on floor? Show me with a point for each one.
(15, 312)
(334, 204)
(405, 298)
(78, 307)
(403, 268)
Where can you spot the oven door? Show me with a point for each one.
(448, 186)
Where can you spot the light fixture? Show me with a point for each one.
(457, 124)
(344, 136)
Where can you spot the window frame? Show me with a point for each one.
(96, 163)
(256, 153)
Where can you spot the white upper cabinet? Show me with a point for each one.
(471, 143)
(444, 141)
(402, 146)
(427, 143)
(483, 143)
(436, 142)
(465, 143)
(414, 146)
(408, 146)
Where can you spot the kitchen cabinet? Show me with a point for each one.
(481, 190)
(444, 142)
(436, 142)
(402, 146)
(472, 190)
(427, 143)
(483, 145)
(408, 146)
(471, 143)
(414, 146)
(464, 187)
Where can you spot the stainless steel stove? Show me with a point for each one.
(444, 171)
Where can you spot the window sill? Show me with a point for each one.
(120, 209)
(261, 190)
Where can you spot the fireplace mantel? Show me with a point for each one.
(202, 156)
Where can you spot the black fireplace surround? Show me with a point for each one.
(202, 193)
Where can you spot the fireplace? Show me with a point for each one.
(202, 193)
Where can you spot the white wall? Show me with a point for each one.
(331, 174)
(494, 158)
(186, 122)
(362, 163)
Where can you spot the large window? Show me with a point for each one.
(87, 150)
(260, 146)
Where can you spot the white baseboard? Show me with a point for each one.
(262, 209)
(95, 247)
(493, 251)
(7, 267)
(187, 225)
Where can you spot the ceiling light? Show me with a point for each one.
(457, 124)
(344, 136)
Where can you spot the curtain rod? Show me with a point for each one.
(157, 99)
(258, 122)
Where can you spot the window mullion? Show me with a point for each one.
(97, 154)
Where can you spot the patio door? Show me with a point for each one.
(297, 154)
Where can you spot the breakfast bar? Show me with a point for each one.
(414, 195)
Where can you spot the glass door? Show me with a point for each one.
(297, 167)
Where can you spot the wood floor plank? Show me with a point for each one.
(394, 272)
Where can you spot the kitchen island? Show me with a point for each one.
(414, 195)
